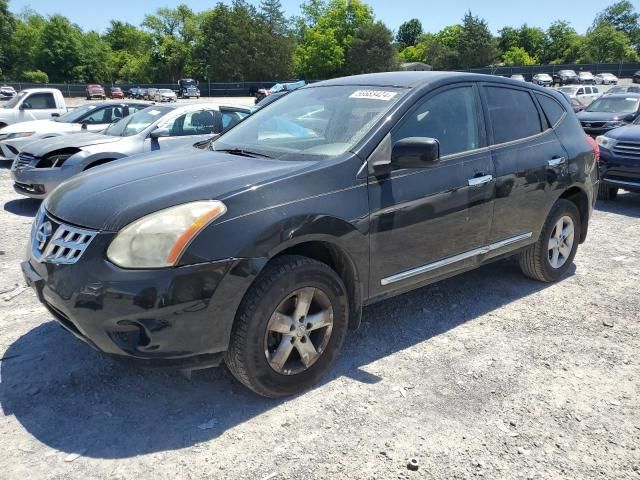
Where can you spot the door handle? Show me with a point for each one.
(474, 182)
(556, 162)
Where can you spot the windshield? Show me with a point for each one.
(568, 90)
(76, 114)
(15, 100)
(312, 123)
(567, 72)
(615, 105)
(136, 123)
(544, 76)
(165, 90)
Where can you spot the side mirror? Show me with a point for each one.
(55, 115)
(25, 106)
(630, 118)
(415, 152)
(160, 132)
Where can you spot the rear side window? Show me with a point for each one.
(513, 114)
(552, 109)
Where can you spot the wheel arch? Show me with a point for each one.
(100, 160)
(580, 199)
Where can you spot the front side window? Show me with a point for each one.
(513, 114)
(312, 123)
(200, 122)
(451, 117)
(40, 101)
(134, 124)
(104, 116)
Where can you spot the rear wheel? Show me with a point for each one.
(550, 257)
(607, 192)
(289, 327)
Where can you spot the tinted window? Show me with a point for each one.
(104, 115)
(40, 101)
(200, 122)
(552, 109)
(451, 117)
(231, 117)
(513, 114)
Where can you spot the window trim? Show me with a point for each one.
(564, 110)
(490, 134)
(481, 125)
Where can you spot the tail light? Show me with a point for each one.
(595, 147)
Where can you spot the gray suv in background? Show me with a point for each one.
(44, 164)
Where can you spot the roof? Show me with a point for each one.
(623, 95)
(396, 79)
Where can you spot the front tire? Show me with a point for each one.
(289, 328)
(607, 192)
(550, 257)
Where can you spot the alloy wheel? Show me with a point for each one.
(561, 242)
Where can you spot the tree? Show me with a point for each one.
(273, 16)
(35, 76)
(320, 55)
(59, 49)
(517, 56)
(371, 50)
(409, 33)
(508, 38)
(97, 63)
(7, 27)
(534, 41)
(606, 44)
(622, 16)
(477, 47)
(417, 53)
(564, 44)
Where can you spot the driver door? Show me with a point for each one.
(186, 129)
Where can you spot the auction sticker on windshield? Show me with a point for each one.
(373, 94)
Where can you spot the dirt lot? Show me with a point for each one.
(487, 375)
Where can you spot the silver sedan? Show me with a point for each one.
(44, 164)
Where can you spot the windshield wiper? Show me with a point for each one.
(242, 153)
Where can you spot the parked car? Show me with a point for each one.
(133, 92)
(619, 160)
(7, 93)
(636, 77)
(518, 77)
(141, 93)
(165, 95)
(606, 79)
(32, 104)
(584, 94)
(279, 87)
(623, 89)
(264, 251)
(93, 91)
(86, 118)
(586, 78)
(188, 88)
(44, 164)
(576, 105)
(150, 94)
(116, 93)
(542, 79)
(267, 100)
(566, 77)
(609, 112)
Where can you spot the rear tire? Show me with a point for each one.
(607, 192)
(545, 262)
(273, 332)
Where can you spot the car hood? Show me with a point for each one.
(39, 126)
(111, 197)
(630, 133)
(44, 146)
(585, 116)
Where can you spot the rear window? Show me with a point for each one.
(513, 114)
(552, 109)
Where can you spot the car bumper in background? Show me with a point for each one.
(39, 182)
(620, 170)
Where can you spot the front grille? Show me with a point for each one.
(628, 149)
(24, 160)
(54, 242)
(593, 124)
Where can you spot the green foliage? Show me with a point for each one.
(517, 56)
(59, 51)
(415, 53)
(7, 27)
(36, 76)
(371, 50)
(476, 45)
(564, 43)
(605, 43)
(409, 33)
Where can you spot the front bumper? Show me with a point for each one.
(179, 317)
(39, 182)
(620, 171)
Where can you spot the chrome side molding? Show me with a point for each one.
(455, 259)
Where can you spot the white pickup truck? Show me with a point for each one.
(32, 104)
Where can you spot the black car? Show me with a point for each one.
(609, 112)
(263, 252)
(636, 77)
(619, 161)
(566, 77)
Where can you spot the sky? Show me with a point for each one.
(433, 14)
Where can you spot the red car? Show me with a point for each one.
(116, 92)
(95, 91)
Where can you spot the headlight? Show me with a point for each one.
(606, 142)
(158, 240)
(615, 123)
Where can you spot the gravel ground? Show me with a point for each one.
(486, 375)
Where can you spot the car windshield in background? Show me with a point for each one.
(136, 123)
(76, 114)
(614, 105)
(165, 90)
(568, 90)
(14, 101)
(312, 123)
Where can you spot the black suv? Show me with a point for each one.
(566, 77)
(263, 250)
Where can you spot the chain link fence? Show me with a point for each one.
(620, 70)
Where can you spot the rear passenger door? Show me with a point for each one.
(428, 222)
(529, 161)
